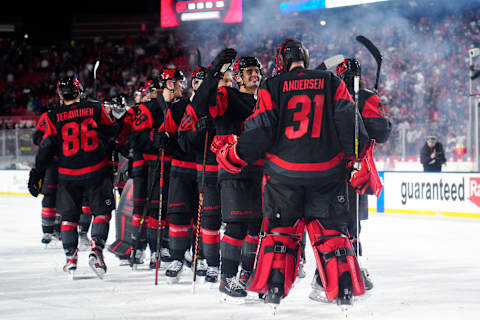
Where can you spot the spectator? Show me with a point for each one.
(432, 155)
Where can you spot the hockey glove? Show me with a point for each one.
(34, 182)
(363, 174)
(218, 142)
(204, 123)
(221, 63)
(161, 139)
(228, 157)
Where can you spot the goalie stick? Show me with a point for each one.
(330, 62)
(375, 53)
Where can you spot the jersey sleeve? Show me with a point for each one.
(190, 139)
(259, 129)
(377, 125)
(47, 148)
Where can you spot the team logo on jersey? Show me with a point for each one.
(108, 202)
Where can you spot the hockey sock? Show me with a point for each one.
(100, 227)
(69, 235)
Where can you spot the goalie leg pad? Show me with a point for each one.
(335, 257)
(279, 254)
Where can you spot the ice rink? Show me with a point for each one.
(422, 268)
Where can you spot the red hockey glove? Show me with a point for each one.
(228, 157)
(218, 142)
(363, 175)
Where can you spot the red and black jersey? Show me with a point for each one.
(149, 116)
(76, 134)
(193, 141)
(304, 122)
(183, 162)
(232, 108)
(372, 111)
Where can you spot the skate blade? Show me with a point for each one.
(54, 244)
(225, 298)
(98, 271)
(273, 309)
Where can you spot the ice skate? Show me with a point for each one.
(71, 264)
(46, 239)
(174, 271)
(366, 279)
(153, 261)
(138, 259)
(165, 255)
(231, 291)
(318, 293)
(188, 258)
(201, 267)
(96, 262)
(212, 275)
(84, 242)
(301, 270)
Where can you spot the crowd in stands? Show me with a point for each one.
(423, 84)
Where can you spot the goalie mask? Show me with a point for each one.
(69, 88)
(290, 51)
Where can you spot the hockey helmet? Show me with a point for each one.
(199, 73)
(69, 88)
(291, 50)
(245, 62)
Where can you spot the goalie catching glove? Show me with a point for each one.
(363, 173)
(227, 156)
(35, 182)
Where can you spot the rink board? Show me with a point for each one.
(423, 193)
(427, 193)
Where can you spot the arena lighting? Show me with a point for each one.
(306, 5)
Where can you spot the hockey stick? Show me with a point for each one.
(160, 211)
(199, 213)
(95, 78)
(376, 55)
(146, 208)
(199, 57)
(330, 62)
(356, 89)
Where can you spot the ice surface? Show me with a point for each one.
(422, 268)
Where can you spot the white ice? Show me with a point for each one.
(422, 268)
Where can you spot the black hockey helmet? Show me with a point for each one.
(245, 62)
(153, 84)
(171, 74)
(291, 50)
(199, 73)
(118, 101)
(69, 88)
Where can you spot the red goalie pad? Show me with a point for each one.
(279, 249)
(334, 256)
(366, 179)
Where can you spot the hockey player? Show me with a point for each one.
(304, 124)
(192, 133)
(240, 194)
(73, 133)
(183, 192)
(379, 128)
(51, 220)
